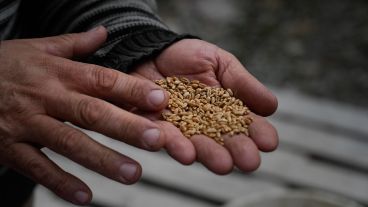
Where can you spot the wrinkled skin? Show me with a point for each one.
(41, 87)
(199, 60)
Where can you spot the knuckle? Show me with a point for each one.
(6, 148)
(68, 142)
(90, 112)
(14, 101)
(20, 110)
(129, 131)
(63, 44)
(65, 39)
(135, 88)
(40, 173)
(15, 111)
(59, 185)
(38, 170)
(103, 79)
(103, 160)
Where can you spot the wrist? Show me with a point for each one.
(135, 47)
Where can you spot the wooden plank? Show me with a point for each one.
(343, 149)
(42, 197)
(161, 168)
(139, 195)
(323, 111)
(110, 193)
(295, 169)
(287, 166)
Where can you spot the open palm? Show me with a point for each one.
(199, 60)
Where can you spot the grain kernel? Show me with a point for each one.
(196, 108)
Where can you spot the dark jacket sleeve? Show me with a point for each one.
(135, 31)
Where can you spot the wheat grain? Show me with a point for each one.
(196, 108)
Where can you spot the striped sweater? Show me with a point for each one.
(135, 31)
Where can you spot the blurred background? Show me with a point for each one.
(314, 57)
(317, 47)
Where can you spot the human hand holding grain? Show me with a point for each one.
(199, 60)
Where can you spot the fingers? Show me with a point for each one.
(246, 87)
(73, 45)
(263, 134)
(94, 80)
(32, 163)
(80, 148)
(110, 85)
(239, 150)
(121, 88)
(193, 57)
(244, 152)
(178, 147)
(212, 155)
(105, 118)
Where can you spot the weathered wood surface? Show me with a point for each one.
(323, 114)
(160, 169)
(335, 147)
(323, 146)
(301, 171)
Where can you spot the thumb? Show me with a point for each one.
(73, 45)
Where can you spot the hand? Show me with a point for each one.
(199, 60)
(40, 87)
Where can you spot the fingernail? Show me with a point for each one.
(151, 137)
(156, 97)
(128, 172)
(81, 197)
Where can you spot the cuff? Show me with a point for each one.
(134, 48)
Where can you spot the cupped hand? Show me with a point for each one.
(41, 87)
(199, 60)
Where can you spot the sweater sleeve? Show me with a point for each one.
(135, 32)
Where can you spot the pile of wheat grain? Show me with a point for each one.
(196, 108)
